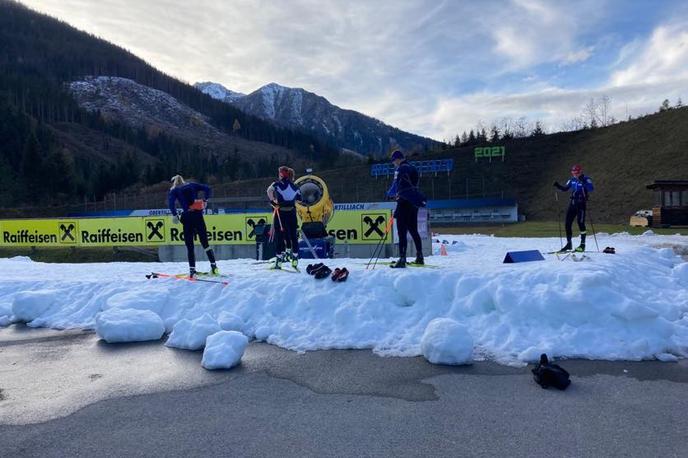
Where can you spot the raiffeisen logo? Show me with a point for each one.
(24, 236)
(214, 235)
(108, 236)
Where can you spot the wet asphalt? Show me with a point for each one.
(65, 393)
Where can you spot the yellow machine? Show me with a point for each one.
(316, 206)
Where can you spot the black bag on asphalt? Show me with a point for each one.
(546, 374)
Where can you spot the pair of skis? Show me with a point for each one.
(570, 254)
(203, 277)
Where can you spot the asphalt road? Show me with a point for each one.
(68, 394)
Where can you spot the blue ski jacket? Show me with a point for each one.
(405, 185)
(186, 195)
(580, 187)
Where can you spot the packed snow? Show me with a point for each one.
(224, 349)
(447, 341)
(129, 325)
(632, 305)
(192, 334)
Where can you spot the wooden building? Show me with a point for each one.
(671, 203)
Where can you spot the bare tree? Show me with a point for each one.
(590, 114)
(521, 127)
(604, 109)
(573, 125)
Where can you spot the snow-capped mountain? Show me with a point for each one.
(297, 108)
(140, 106)
(219, 92)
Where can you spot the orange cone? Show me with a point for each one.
(443, 250)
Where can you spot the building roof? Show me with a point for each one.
(659, 184)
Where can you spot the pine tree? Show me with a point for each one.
(665, 105)
(494, 135)
(537, 131)
(32, 163)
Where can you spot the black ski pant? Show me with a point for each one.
(193, 224)
(406, 215)
(576, 211)
(286, 225)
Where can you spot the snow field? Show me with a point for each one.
(629, 306)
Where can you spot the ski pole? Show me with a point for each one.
(556, 197)
(378, 248)
(310, 247)
(272, 229)
(592, 225)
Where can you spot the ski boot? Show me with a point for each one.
(192, 272)
(279, 259)
(580, 249)
(566, 248)
(419, 261)
(214, 270)
(292, 258)
(400, 264)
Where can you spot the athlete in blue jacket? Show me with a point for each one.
(405, 190)
(191, 218)
(283, 195)
(580, 186)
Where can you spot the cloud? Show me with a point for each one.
(663, 58)
(428, 67)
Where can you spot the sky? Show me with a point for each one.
(434, 68)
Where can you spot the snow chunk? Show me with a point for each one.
(191, 334)
(667, 357)
(230, 322)
(129, 325)
(29, 305)
(224, 349)
(446, 341)
(680, 272)
(647, 233)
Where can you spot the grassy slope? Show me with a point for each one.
(622, 159)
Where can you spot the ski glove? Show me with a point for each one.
(556, 184)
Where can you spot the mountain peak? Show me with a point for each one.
(218, 91)
(296, 108)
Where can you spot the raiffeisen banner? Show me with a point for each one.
(359, 226)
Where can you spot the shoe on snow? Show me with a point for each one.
(343, 275)
(335, 274)
(400, 264)
(311, 268)
(214, 270)
(419, 261)
(580, 249)
(322, 272)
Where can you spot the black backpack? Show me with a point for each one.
(546, 374)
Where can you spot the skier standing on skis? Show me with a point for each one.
(283, 195)
(191, 218)
(405, 191)
(580, 186)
